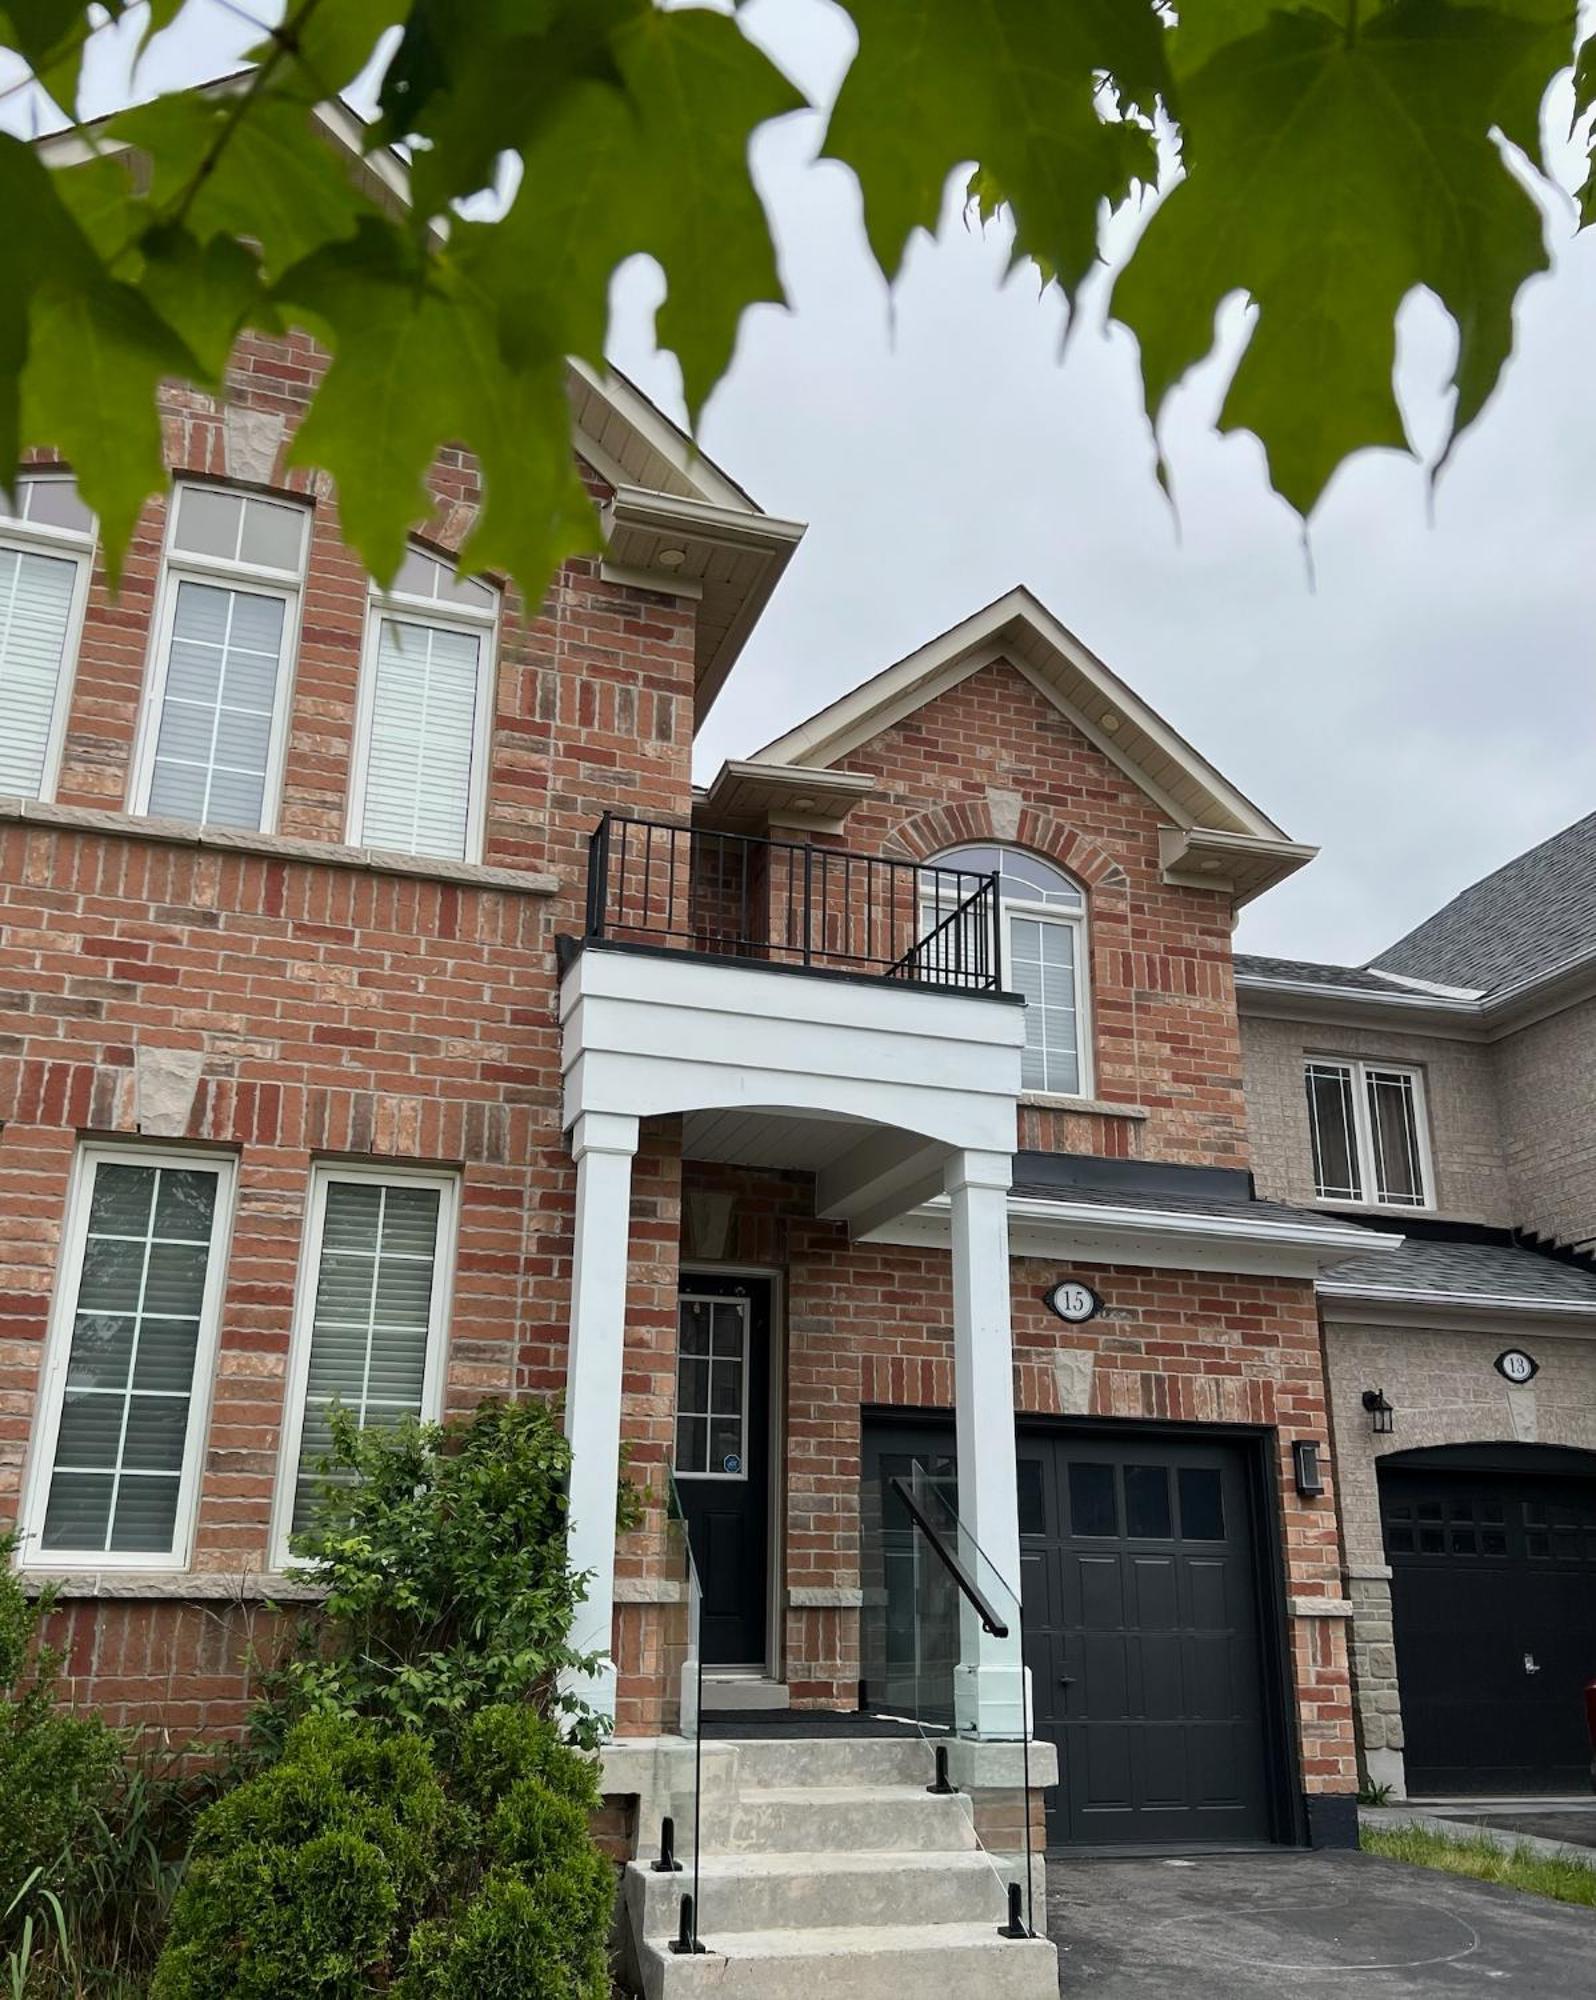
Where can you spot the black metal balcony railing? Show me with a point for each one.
(778, 902)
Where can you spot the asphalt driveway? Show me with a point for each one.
(1333, 1926)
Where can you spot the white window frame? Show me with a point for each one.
(481, 623)
(1078, 921)
(1358, 1068)
(745, 1306)
(66, 544)
(31, 1555)
(180, 566)
(434, 1378)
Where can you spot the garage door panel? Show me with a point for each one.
(1494, 1613)
(1100, 1593)
(1156, 1585)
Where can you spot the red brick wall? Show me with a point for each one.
(871, 1325)
(337, 1010)
(991, 758)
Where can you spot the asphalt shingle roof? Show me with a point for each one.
(1181, 1204)
(1533, 914)
(1482, 1271)
(1308, 972)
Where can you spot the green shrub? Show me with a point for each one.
(442, 1548)
(309, 1878)
(518, 1939)
(502, 1746)
(55, 1770)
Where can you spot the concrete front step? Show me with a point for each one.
(836, 1819)
(770, 1892)
(876, 1962)
(859, 1760)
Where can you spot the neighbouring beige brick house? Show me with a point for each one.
(1445, 1095)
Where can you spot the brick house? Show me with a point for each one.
(386, 1018)
(1441, 1094)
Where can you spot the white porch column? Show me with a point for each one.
(990, 1688)
(602, 1144)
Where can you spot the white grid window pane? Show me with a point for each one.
(711, 1388)
(1042, 970)
(128, 1398)
(422, 744)
(1333, 1128)
(35, 611)
(217, 707)
(1394, 1134)
(372, 1316)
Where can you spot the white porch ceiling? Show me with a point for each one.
(769, 1139)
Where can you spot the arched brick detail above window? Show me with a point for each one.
(956, 825)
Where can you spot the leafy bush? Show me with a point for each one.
(56, 1771)
(443, 1551)
(309, 1877)
(361, 1863)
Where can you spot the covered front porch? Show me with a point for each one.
(884, 1087)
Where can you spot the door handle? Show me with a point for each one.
(1066, 1680)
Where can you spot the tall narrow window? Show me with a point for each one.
(371, 1315)
(1042, 956)
(426, 714)
(1367, 1125)
(116, 1458)
(211, 749)
(46, 547)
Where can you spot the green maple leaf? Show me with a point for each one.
(266, 174)
(1334, 175)
(661, 168)
(1584, 99)
(417, 364)
(51, 35)
(1014, 85)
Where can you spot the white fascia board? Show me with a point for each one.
(1457, 1302)
(1154, 1238)
(673, 444)
(703, 520)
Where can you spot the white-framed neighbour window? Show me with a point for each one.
(216, 708)
(712, 1386)
(423, 736)
(370, 1318)
(1370, 1133)
(1042, 955)
(46, 554)
(121, 1428)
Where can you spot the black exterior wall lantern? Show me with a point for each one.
(1382, 1417)
(1306, 1468)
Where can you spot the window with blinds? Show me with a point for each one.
(45, 549)
(1369, 1133)
(370, 1333)
(214, 737)
(131, 1353)
(420, 774)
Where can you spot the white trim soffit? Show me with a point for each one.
(1490, 1302)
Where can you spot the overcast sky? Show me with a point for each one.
(1422, 708)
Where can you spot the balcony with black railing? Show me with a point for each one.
(790, 904)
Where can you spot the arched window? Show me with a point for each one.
(1042, 955)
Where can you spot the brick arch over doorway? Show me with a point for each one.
(946, 826)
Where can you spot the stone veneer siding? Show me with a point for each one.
(1445, 1390)
(1546, 1085)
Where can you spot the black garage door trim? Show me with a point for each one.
(1255, 1449)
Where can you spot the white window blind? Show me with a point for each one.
(374, 1315)
(143, 1297)
(422, 738)
(36, 594)
(214, 743)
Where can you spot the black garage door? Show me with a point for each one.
(1143, 1626)
(1493, 1589)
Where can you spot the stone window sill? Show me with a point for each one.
(185, 1586)
(1084, 1107)
(277, 847)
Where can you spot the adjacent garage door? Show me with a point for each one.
(1493, 1589)
(1144, 1629)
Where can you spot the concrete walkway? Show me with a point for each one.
(1333, 1926)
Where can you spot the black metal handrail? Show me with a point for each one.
(968, 1587)
(790, 903)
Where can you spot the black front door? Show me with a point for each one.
(723, 1457)
(1144, 1631)
(1493, 1598)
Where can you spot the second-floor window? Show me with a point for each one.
(1368, 1128)
(426, 714)
(46, 546)
(1042, 956)
(211, 748)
